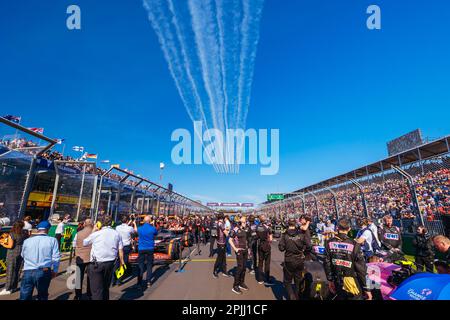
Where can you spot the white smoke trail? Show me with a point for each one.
(214, 76)
(208, 52)
(220, 25)
(167, 42)
(188, 66)
(250, 39)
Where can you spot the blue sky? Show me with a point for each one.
(336, 90)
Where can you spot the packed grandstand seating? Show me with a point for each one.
(387, 193)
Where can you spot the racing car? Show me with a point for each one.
(167, 248)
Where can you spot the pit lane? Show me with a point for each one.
(195, 282)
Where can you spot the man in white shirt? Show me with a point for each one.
(365, 238)
(59, 230)
(374, 230)
(228, 228)
(27, 225)
(126, 232)
(319, 230)
(106, 246)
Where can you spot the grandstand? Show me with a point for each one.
(39, 182)
(413, 186)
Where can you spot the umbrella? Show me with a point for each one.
(378, 273)
(424, 286)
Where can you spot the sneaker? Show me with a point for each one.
(4, 292)
(229, 255)
(260, 282)
(236, 290)
(215, 276)
(268, 283)
(243, 287)
(225, 274)
(252, 272)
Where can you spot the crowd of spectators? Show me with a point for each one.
(391, 195)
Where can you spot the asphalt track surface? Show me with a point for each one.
(194, 282)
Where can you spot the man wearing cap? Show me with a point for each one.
(41, 262)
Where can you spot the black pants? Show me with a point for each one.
(212, 240)
(424, 262)
(239, 275)
(344, 295)
(221, 260)
(100, 274)
(254, 248)
(58, 237)
(80, 271)
(126, 253)
(145, 261)
(263, 264)
(292, 270)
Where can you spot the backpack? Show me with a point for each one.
(214, 230)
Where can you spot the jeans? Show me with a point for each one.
(145, 261)
(228, 246)
(39, 279)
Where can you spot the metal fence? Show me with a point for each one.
(414, 193)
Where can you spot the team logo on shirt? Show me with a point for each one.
(341, 246)
(342, 263)
(391, 236)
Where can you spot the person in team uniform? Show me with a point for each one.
(239, 238)
(253, 243)
(391, 238)
(221, 260)
(264, 238)
(345, 266)
(294, 242)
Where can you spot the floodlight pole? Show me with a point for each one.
(412, 190)
(27, 188)
(363, 198)
(81, 194)
(336, 207)
(55, 191)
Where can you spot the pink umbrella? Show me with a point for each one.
(378, 273)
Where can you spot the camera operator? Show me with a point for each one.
(424, 249)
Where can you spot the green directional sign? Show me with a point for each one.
(275, 196)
